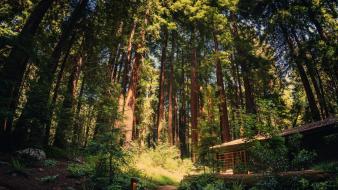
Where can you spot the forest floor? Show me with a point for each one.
(37, 177)
(14, 175)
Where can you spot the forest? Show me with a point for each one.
(136, 94)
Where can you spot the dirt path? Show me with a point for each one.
(167, 187)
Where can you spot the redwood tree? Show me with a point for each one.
(160, 111)
(223, 110)
(12, 73)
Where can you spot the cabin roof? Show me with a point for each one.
(237, 142)
(310, 126)
(301, 129)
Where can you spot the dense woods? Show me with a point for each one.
(189, 73)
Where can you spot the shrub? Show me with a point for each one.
(303, 159)
(79, 170)
(327, 167)
(267, 183)
(49, 179)
(17, 165)
(269, 156)
(211, 182)
(49, 163)
(163, 164)
(208, 182)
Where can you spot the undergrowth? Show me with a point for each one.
(162, 165)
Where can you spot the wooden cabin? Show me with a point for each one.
(320, 136)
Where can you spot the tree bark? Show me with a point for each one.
(90, 116)
(160, 111)
(115, 63)
(55, 91)
(309, 94)
(12, 73)
(77, 123)
(127, 63)
(223, 110)
(66, 118)
(175, 122)
(183, 117)
(237, 103)
(315, 79)
(171, 83)
(194, 97)
(34, 115)
(130, 102)
(126, 59)
(250, 104)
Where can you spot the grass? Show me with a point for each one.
(162, 165)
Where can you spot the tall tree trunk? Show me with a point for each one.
(66, 118)
(130, 102)
(115, 63)
(194, 97)
(160, 111)
(171, 131)
(250, 104)
(88, 122)
(127, 63)
(12, 73)
(312, 70)
(34, 115)
(223, 110)
(77, 131)
(55, 91)
(237, 103)
(309, 94)
(126, 59)
(240, 91)
(116, 52)
(183, 117)
(316, 81)
(119, 72)
(175, 121)
(129, 106)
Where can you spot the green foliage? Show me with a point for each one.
(278, 154)
(269, 156)
(49, 163)
(203, 182)
(96, 170)
(163, 164)
(49, 179)
(331, 167)
(17, 165)
(80, 170)
(208, 182)
(303, 159)
(269, 182)
(200, 182)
